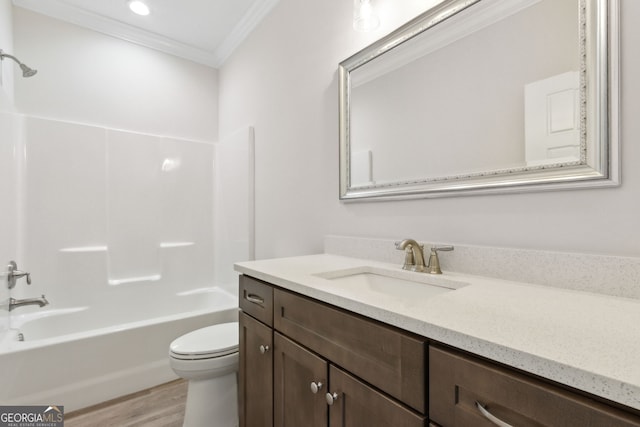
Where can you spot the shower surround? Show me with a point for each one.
(118, 230)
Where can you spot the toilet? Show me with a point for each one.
(208, 359)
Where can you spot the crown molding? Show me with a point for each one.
(84, 18)
(245, 26)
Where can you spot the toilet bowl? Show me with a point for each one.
(208, 359)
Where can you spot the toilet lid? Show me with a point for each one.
(212, 341)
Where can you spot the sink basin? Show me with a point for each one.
(387, 282)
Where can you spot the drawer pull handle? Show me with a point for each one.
(331, 397)
(488, 415)
(256, 299)
(316, 387)
(263, 349)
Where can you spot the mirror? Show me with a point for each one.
(478, 96)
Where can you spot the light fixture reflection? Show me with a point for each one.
(138, 7)
(171, 164)
(364, 17)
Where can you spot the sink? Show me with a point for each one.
(388, 282)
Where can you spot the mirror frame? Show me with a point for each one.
(600, 115)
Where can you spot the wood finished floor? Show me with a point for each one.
(161, 406)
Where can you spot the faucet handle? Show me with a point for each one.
(409, 258)
(18, 274)
(13, 274)
(434, 263)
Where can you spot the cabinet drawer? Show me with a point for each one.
(390, 360)
(457, 382)
(256, 299)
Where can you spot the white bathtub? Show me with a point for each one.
(81, 356)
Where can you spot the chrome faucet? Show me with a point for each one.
(414, 256)
(15, 303)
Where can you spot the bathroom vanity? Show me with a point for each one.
(342, 353)
(316, 351)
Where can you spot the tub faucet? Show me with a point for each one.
(15, 303)
(14, 274)
(414, 256)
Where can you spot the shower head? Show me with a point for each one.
(26, 71)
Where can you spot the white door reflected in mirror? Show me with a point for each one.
(552, 120)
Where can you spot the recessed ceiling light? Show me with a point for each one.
(138, 7)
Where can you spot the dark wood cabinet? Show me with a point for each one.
(359, 405)
(467, 391)
(256, 299)
(302, 381)
(385, 357)
(331, 368)
(255, 376)
(295, 403)
(307, 363)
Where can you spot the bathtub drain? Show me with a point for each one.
(20, 336)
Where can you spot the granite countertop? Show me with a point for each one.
(584, 340)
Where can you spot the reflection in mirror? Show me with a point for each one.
(480, 95)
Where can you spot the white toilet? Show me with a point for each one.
(208, 359)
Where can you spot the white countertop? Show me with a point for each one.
(584, 340)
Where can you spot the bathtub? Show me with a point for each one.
(81, 356)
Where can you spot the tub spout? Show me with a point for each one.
(15, 303)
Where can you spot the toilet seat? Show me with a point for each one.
(206, 343)
(208, 359)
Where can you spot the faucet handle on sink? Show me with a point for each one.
(413, 255)
(409, 261)
(434, 263)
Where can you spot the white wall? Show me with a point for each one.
(283, 79)
(91, 78)
(6, 67)
(8, 237)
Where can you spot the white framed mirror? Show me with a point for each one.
(483, 96)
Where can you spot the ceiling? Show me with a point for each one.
(204, 31)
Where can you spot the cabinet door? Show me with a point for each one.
(357, 404)
(295, 368)
(255, 376)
